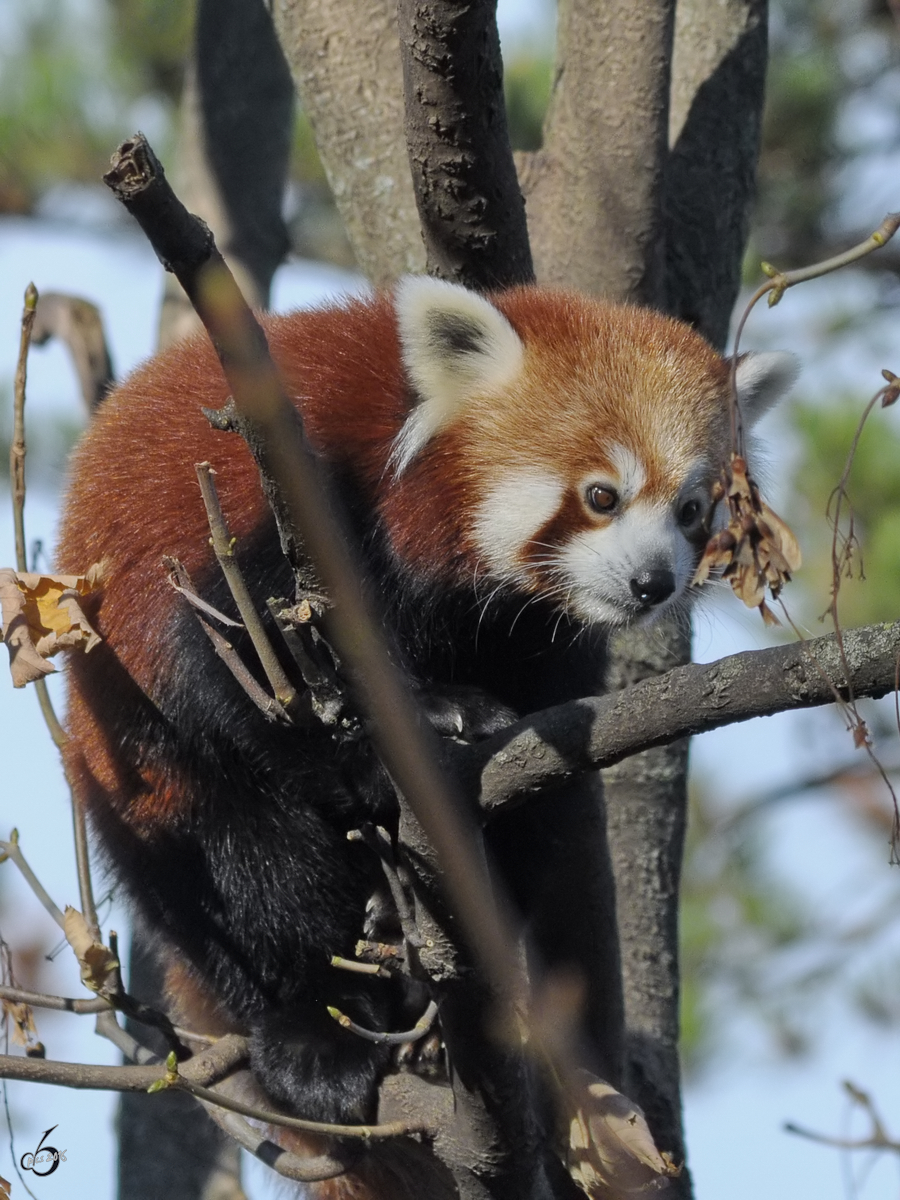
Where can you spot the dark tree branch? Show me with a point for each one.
(470, 205)
(599, 731)
(233, 148)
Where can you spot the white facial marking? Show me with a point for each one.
(630, 471)
(510, 515)
(599, 564)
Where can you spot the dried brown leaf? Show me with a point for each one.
(41, 615)
(97, 962)
(610, 1151)
(756, 550)
(24, 1031)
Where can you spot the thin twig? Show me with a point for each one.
(107, 1026)
(17, 445)
(282, 1162)
(329, 697)
(839, 1143)
(391, 1129)
(418, 1030)
(223, 545)
(17, 451)
(840, 559)
(203, 1069)
(181, 581)
(777, 285)
(359, 968)
(83, 862)
(55, 729)
(79, 1075)
(95, 1004)
(378, 839)
(11, 851)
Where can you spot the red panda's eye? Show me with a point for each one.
(691, 512)
(602, 499)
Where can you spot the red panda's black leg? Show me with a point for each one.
(316, 1068)
(464, 712)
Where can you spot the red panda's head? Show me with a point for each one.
(561, 446)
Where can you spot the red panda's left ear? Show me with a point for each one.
(455, 346)
(762, 379)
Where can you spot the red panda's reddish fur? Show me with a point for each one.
(173, 765)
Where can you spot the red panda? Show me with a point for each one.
(523, 472)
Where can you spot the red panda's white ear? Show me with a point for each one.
(455, 346)
(762, 379)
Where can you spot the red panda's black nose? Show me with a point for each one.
(651, 587)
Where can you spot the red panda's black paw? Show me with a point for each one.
(466, 714)
(424, 1057)
(315, 1068)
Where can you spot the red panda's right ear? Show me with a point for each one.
(762, 379)
(455, 346)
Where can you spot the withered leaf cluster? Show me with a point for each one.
(756, 549)
(97, 962)
(41, 615)
(610, 1151)
(22, 1027)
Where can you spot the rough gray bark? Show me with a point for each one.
(234, 144)
(718, 74)
(471, 209)
(594, 191)
(646, 806)
(346, 66)
(718, 78)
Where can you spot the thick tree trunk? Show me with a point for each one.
(345, 62)
(471, 209)
(595, 190)
(233, 150)
(646, 805)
